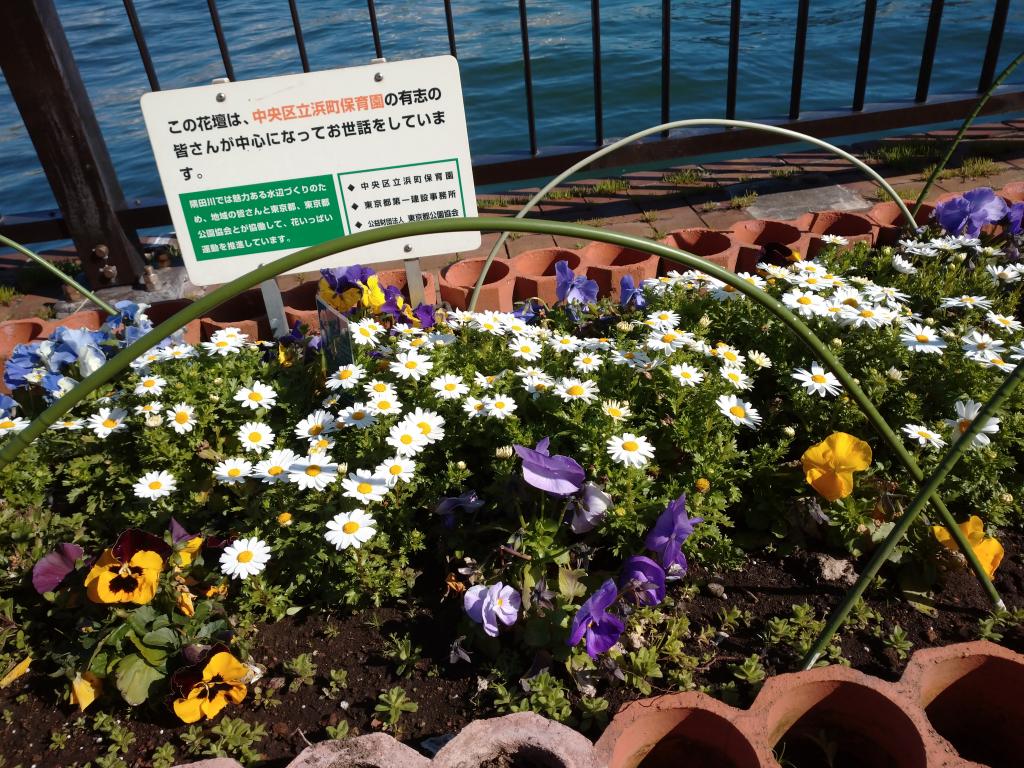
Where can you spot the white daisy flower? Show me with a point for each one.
(760, 359)
(602, 343)
(586, 362)
(358, 415)
(616, 409)
(809, 281)
(69, 423)
(153, 406)
(364, 332)
(155, 485)
(994, 360)
(449, 387)
(411, 365)
(921, 338)
(499, 406)
(739, 412)
(318, 423)
(274, 468)
(565, 342)
(570, 389)
(536, 385)
(244, 558)
(406, 439)
(315, 471)
(666, 340)
(804, 303)
(663, 318)
(232, 471)
(818, 381)
(1005, 321)
(924, 436)
(178, 352)
(429, 423)
(629, 449)
(345, 377)
(103, 422)
(259, 395)
(378, 388)
(866, 315)
(903, 266)
(223, 346)
(966, 412)
(485, 381)
(630, 357)
(971, 302)
(885, 294)
(350, 529)
(728, 355)
(384, 405)
(1004, 274)
(143, 361)
(834, 240)
(735, 376)
(365, 486)
(525, 349)
(321, 444)
(150, 385)
(473, 407)
(977, 343)
(489, 322)
(255, 436)
(395, 469)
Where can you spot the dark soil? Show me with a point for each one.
(447, 693)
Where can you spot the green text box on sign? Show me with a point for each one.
(253, 218)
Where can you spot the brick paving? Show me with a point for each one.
(715, 195)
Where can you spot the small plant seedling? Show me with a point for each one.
(392, 705)
(338, 681)
(237, 738)
(339, 731)
(751, 671)
(685, 177)
(898, 642)
(610, 186)
(303, 668)
(402, 653)
(7, 294)
(783, 171)
(744, 200)
(163, 756)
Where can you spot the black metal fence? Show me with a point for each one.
(41, 72)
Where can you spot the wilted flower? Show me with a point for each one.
(205, 688)
(829, 465)
(593, 622)
(557, 475)
(51, 569)
(642, 581)
(448, 506)
(590, 508)
(987, 549)
(670, 530)
(489, 605)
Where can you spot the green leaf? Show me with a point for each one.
(155, 656)
(569, 584)
(140, 619)
(134, 678)
(161, 638)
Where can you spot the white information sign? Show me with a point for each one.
(257, 169)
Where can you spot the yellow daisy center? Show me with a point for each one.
(255, 437)
(255, 396)
(449, 387)
(804, 300)
(613, 411)
(410, 364)
(818, 378)
(7, 424)
(384, 405)
(316, 429)
(245, 557)
(668, 338)
(630, 445)
(359, 415)
(155, 485)
(738, 412)
(364, 488)
(234, 472)
(405, 439)
(575, 390)
(345, 374)
(181, 417)
(220, 344)
(350, 527)
(424, 427)
(378, 387)
(921, 338)
(313, 470)
(866, 313)
(274, 471)
(395, 469)
(108, 423)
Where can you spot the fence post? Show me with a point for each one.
(47, 87)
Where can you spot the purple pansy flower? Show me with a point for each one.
(448, 506)
(1013, 219)
(629, 293)
(425, 314)
(970, 211)
(340, 279)
(670, 530)
(590, 508)
(489, 605)
(572, 288)
(50, 571)
(558, 475)
(592, 621)
(642, 581)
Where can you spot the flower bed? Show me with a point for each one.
(537, 483)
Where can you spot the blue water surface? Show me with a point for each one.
(337, 32)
